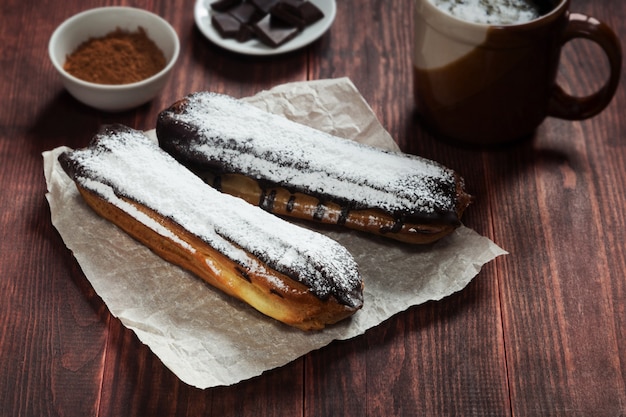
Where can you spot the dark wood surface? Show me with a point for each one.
(540, 332)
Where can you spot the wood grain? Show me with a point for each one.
(539, 332)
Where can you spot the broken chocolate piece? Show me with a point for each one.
(304, 10)
(230, 28)
(223, 5)
(284, 14)
(310, 13)
(293, 4)
(278, 20)
(226, 25)
(264, 5)
(246, 13)
(273, 35)
(245, 33)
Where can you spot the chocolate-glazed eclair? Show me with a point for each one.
(294, 170)
(297, 276)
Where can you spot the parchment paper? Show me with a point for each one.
(208, 339)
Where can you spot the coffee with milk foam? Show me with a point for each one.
(493, 12)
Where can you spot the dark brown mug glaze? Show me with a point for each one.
(505, 85)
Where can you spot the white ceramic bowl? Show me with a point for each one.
(99, 22)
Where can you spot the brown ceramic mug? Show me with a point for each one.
(490, 84)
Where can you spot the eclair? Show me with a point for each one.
(290, 169)
(292, 274)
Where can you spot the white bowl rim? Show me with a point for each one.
(109, 87)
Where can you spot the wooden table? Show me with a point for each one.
(539, 332)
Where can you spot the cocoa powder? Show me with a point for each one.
(120, 57)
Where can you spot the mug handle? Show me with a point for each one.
(566, 106)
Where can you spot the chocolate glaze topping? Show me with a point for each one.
(208, 131)
(122, 162)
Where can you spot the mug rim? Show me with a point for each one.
(481, 27)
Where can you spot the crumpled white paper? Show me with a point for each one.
(208, 339)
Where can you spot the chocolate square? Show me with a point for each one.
(273, 35)
(284, 14)
(292, 4)
(246, 13)
(264, 5)
(304, 10)
(223, 5)
(245, 33)
(310, 13)
(225, 24)
(230, 28)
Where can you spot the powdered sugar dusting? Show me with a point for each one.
(238, 137)
(124, 163)
(108, 194)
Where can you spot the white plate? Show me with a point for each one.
(202, 16)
